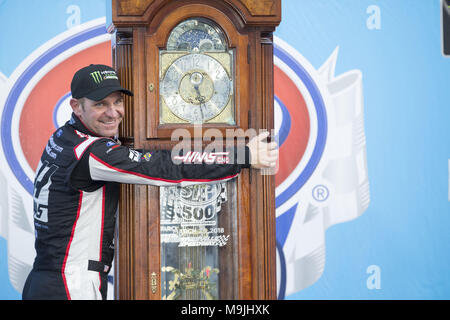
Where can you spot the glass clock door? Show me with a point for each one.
(198, 238)
(198, 223)
(196, 75)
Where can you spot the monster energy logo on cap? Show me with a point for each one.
(99, 76)
(96, 82)
(96, 76)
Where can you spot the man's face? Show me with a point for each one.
(101, 117)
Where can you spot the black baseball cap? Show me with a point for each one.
(96, 82)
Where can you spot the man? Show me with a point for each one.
(76, 189)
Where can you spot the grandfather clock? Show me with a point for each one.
(203, 68)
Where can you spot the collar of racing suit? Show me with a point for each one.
(80, 126)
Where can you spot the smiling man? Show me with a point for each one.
(102, 117)
(97, 99)
(76, 189)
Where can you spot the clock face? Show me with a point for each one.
(196, 87)
(196, 75)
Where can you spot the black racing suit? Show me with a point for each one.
(76, 192)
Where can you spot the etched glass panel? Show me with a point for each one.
(198, 235)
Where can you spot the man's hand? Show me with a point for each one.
(263, 155)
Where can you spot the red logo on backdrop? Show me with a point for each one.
(38, 101)
(47, 104)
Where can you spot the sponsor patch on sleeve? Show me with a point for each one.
(146, 156)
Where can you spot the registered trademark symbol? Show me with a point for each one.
(320, 193)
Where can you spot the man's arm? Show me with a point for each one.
(109, 161)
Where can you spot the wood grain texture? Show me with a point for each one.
(133, 7)
(252, 12)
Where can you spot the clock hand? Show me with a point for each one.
(200, 99)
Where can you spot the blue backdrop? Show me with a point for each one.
(407, 114)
